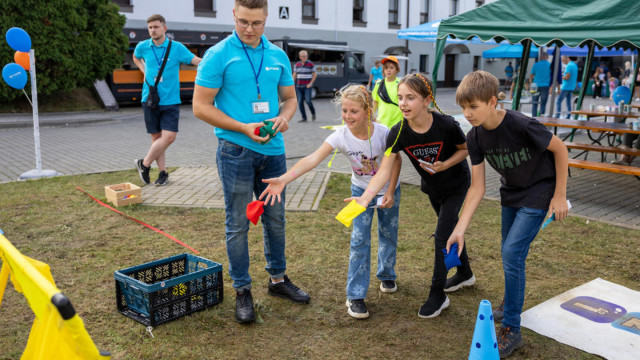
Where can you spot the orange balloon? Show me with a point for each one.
(22, 59)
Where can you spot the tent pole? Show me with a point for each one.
(436, 64)
(632, 85)
(552, 86)
(524, 62)
(585, 76)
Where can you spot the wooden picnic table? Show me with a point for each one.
(605, 129)
(591, 114)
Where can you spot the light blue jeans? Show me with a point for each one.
(564, 95)
(360, 253)
(241, 172)
(519, 227)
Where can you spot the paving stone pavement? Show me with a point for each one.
(95, 142)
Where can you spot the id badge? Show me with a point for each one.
(260, 106)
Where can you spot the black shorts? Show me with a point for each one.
(165, 117)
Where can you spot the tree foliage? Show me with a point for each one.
(75, 41)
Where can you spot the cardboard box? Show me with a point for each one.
(119, 194)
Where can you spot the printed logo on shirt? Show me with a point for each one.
(426, 152)
(507, 159)
(369, 166)
(272, 68)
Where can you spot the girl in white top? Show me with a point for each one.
(363, 142)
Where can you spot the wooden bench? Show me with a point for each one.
(602, 148)
(594, 165)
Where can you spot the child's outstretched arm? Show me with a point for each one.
(471, 202)
(387, 199)
(276, 185)
(558, 203)
(457, 157)
(377, 181)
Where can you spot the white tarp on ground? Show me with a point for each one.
(599, 317)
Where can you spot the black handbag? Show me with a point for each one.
(153, 99)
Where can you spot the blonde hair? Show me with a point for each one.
(358, 94)
(477, 85)
(421, 84)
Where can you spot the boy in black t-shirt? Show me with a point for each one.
(533, 164)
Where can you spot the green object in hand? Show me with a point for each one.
(266, 130)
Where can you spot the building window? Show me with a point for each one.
(453, 7)
(204, 8)
(424, 63)
(479, 3)
(309, 12)
(393, 14)
(125, 5)
(358, 13)
(424, 12)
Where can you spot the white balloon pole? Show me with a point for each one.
(38, 172)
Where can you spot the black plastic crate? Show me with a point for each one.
(164, 290)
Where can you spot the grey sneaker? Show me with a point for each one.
(357, 309)
(163, 178)
(508, 341)
(388, 286)
(143, 171)
(498, 314)
(458, 281)
(313, 117)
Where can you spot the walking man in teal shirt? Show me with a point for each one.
(161, 122)
(569, 82)
(250, 81)
(541, 76)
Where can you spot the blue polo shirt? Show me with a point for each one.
(169, 85)
(541, 73)
(572, 81)
(226, 67)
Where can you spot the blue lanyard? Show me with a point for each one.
(159, 61)
(251, 62)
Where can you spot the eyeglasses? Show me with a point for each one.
(243, 24)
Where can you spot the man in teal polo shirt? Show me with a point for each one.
(250, 80)
(162, 122)
(569, 82)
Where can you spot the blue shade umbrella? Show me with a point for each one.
(509, 51)
(584, 51)
(428, 32)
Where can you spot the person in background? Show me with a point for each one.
(599, 83)
(569, 82)
(162, 122)
(385, 93)
(375, 74)
(304, 76)
(508, 72)
(541, 76)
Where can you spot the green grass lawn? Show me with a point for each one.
(84, 243)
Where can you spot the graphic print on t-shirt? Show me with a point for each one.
(369, 166)
(427, 152)
(507, 159)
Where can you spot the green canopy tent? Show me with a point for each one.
(611, 23)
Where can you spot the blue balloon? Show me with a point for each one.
(14, 75)
(621, 93)
(18, 39)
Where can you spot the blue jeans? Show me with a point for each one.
(519, 227)
(564, 95)
(543, 96)
(360, 253)
(304, 95)
(241, 172)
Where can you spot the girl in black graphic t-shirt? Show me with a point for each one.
(436, 146)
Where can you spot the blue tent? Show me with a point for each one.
(428, 32)
(509, 51)
(584, 51)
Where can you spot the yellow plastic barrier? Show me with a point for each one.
(57, 332)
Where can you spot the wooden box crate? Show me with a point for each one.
(123, 194)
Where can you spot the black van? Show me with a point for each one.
(336, 64)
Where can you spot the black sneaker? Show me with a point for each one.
(288, 290)
(357, 309)
(457, 281)
(498, 314)
(143, 171)
(163, 178)
(244, 307)
(313, 117)
(388, 286)
(302, 120)
(508, 341)
(433, 307)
